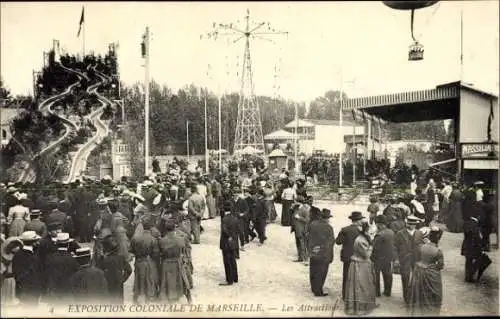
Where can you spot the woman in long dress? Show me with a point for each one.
(426, 287)
(8, 284)
(287, 198)
(360, 296)
(18, 216)
(454, 223)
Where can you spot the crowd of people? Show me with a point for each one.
(155, 223)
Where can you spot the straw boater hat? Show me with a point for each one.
(413, 220)
(28, 236)
(35, 212)
(8, 245)
(82, 252)
(63, 238)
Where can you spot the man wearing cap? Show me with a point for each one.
(26, 270)
(196, 208)
(115, 266)
(407, 242)
(36, 224)
(59, 268)
(321, 243)
(346, 238)
(174, 282)
(88, 284)
(146, 249)
(229, 242)
(383, 255)
(249, 196)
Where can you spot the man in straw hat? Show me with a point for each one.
(322, 241)
(407, 241)
(88, 284)
(59, 268)
(346, 238)
(26, 270)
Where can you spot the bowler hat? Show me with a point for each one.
(326, 213)
(380, 219)
(356, 216)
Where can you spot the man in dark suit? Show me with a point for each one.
(346, 238)
(260, 216)
(321, 242)
(60, 266)
(88, 284)
(26, 270)
(230, 229)
(315, 211)
(407, 242)
(240, 207)
(472, 248)
(383, 255)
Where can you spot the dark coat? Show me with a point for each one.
(229, 232)
(37, 226)
(346, 238)
(89, 285)
(321, 240)
(58, 270)
(407, 248)
(116, 270)
(259, 209)
(472, 244)
(27, 274)
(315, 213)
(383, 247)
(240, 207)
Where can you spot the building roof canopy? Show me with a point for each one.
(440, 103)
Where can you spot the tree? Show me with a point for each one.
(327, 107)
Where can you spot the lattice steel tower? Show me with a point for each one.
(248, 125)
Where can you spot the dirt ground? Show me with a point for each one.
(273, 285)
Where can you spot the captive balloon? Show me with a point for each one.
(409, 5)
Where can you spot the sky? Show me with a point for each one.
(361, 47)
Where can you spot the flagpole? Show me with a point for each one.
(146, 102)
(206, 136)
(220, 131)
(83, 35)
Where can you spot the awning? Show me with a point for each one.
(451, 160)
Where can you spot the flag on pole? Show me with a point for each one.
(82, 21)
(491, 116)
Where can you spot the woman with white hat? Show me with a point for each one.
(8, 284)
(18, 216)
